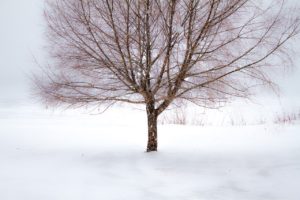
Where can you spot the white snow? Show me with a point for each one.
(73, 156)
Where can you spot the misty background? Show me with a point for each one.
(22, 44)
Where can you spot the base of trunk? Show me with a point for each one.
(152, 145)
(152, 127)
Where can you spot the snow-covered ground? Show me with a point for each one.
(46, 155)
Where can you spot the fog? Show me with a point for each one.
(22, 41)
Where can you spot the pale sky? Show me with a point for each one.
(21, 40)
(21, 33)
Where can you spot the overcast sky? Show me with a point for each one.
(21, 40)
(21, 32)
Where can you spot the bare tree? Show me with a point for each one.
(157, 52)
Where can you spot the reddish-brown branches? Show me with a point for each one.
(155, 52)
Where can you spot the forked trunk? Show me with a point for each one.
(152, 128)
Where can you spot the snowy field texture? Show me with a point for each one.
(46, 155)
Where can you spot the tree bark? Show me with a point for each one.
(152, 127)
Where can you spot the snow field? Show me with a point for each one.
(71, 156)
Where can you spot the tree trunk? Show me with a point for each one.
(152, 128)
